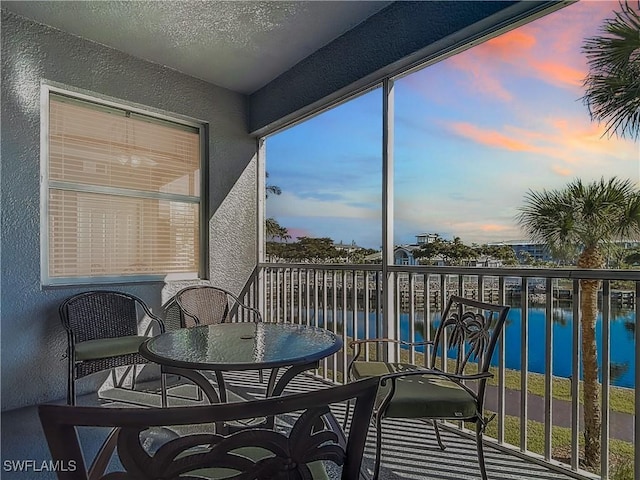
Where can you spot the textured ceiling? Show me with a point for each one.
(240, 45)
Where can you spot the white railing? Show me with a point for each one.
(347, 299)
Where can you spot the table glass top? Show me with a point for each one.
(241, 345)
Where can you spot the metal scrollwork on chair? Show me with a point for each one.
(460, 354)
(306, 437)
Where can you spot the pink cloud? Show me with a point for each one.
(525, 51)
(493, 227)
(562, 171)
(560, 74)
(508, 44)
(491, 138)
(296, 233)
(483, 79)
(572, 141)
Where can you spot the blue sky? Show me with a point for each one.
(473, 133)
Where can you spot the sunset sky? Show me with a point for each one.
(472, 134)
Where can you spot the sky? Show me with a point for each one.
(473, 134)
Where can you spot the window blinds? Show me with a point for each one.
(124, 192)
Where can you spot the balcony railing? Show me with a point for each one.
(541, 338)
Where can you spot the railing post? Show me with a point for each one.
(524, 362)
(575, 378)
(606, 370)
(636, 446)
(548, 374)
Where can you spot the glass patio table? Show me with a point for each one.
(239, 346)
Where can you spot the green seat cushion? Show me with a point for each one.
(318, 471)
(108, 347)
(421, 396)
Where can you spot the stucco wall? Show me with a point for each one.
(32, 339)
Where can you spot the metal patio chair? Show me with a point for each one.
(102, 334)
(206, 305)
(467, 335)
(180, 442)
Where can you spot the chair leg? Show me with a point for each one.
(71, 389)
(378, 460)
(438, 438)
(71, 379)
(480, 447)
(163, 389)
(133, 378)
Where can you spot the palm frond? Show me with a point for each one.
(582, 215)
(613, 83)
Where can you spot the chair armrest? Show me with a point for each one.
(356, 345)
(153, 317)
(255, 311)
(440, 373)
(159, 321)
(387, 340)
(239, 304)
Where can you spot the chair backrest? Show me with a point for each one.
(102, 314)
(207, 305)
(468, 333)
(305, 434)
(172, 315)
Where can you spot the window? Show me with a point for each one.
(329, 170)
(121, 191)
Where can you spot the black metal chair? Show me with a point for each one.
(102, 333)
(206, 305)
(461, 352)
(181, 442)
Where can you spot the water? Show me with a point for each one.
(622, 330)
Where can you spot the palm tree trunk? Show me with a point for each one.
(591, 386)
(590, 258)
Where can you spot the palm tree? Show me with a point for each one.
(585, 218)
(613, 83)
(273, 189)
(271, 226)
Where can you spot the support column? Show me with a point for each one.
(388, 285)
(260, 222)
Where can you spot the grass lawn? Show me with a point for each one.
(621, 453)
(621, 400)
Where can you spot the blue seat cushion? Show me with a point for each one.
(419, 396)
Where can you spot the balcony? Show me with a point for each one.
(544, 426)
(410, 450)
(251, 87)
(542, 443)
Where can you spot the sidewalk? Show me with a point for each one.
(621, 425)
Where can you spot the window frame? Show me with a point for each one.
(46, 91)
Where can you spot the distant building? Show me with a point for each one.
(423, 238)
(526, 249)
(403, 254)
(347, 247)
